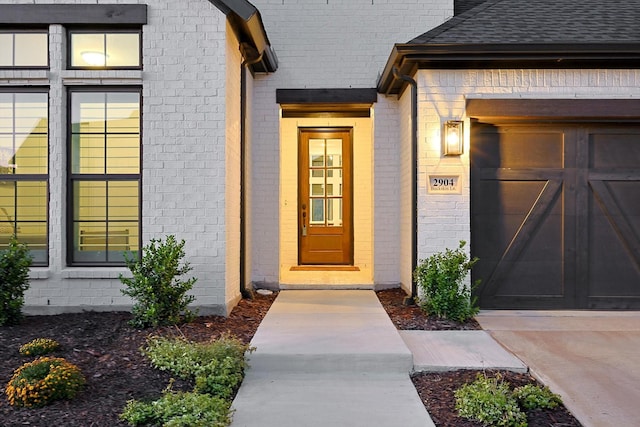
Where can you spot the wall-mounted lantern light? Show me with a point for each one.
(453, 138)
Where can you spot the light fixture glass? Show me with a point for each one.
(453, 139)
(95, 59)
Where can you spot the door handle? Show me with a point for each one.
(304, 221)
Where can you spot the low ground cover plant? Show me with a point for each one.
(44, 380)
(39, 347)
(14, 281)
(491, 401)
(156, 287)
(441, 278)
(179, 409)
(216, 369)
(536, 397)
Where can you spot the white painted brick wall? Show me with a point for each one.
(329, 44)
(444, 219)
(387, 181)
(404, 190)
(186, 59)
(233, 170)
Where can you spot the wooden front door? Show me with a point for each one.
(325, 232)
(555, 215)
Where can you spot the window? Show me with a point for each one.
(105, 49)
(24, 147)
(105, 144)
(24, 49)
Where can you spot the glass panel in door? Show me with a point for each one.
(325, 182)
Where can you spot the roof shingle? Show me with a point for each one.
(540, 21)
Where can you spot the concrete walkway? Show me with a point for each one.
(328, 358)
(334, 358)
(436, 351)
(592, 359)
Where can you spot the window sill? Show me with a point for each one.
(94, 272)
(94, 77)
(24, 76)
(38, 273)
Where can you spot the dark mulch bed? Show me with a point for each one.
(436, 389)
(107, 350)
(411, 317)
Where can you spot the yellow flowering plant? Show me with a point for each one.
(44, 380)
(39, 347)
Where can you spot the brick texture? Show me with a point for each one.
(443, 220)
(187, 154)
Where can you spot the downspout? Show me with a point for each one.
(414, 180)
(246, 293)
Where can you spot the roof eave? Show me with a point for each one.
(247, 24)
(408, 58)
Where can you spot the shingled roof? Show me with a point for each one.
(541, 21)
(523, 34)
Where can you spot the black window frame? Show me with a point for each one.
(34, 177)
(73, 177)
(101, 29)
(27, 30)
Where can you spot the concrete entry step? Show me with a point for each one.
(329, 331)
(333, 399)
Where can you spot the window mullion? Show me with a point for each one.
(15, 203)
(13, 129)
(104, 49)
(106, 133)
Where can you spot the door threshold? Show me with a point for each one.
(324, 268)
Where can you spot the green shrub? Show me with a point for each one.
(441, 279)
(159, 295)
(179, 409)
(217, 367)
(14, 281)
(44, 380)
(492, 402)
(536, 397)
(489, 401)
(39, 346)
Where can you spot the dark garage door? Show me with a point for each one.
(555, 215)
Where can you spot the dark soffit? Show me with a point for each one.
(249, 28)
(339, 102)
(327, 96)
(408, 58)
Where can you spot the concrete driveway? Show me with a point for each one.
(592, 359)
